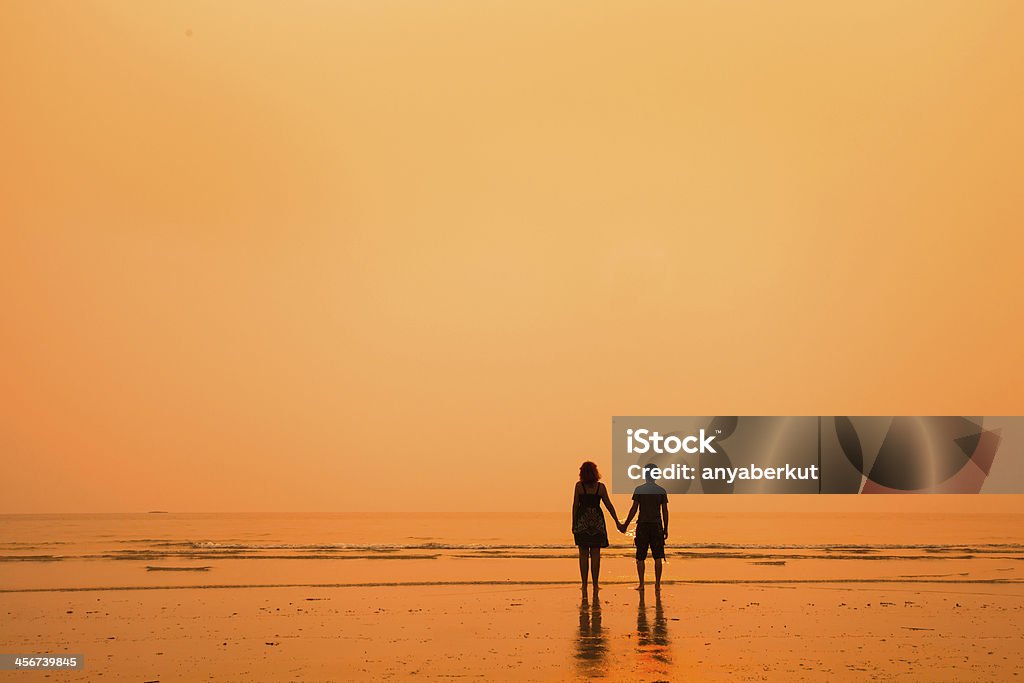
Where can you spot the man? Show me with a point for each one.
(651, 526)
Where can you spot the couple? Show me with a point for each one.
(589, 530)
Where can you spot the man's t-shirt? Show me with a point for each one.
(650, 496)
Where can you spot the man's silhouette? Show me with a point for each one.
(651, 526)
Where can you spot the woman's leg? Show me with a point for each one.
(584, 553)
(595, 564)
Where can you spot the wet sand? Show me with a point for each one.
(933, 631)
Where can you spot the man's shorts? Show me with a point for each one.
(650, 536)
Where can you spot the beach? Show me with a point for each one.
(252, 598)
(692, 632)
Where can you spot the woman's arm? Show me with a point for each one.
(632, 511)
(575, 504)
(608, 503)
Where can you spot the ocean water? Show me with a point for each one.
(96, 551)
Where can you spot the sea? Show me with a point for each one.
(72, 552)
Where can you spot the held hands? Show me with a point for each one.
(620, 526)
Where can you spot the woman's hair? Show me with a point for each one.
(589, 473)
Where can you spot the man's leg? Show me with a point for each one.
(658, 553)
(641, 557)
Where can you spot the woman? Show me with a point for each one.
(588, 521)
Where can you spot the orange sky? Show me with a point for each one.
(414, 256)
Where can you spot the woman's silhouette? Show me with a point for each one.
(588, 526)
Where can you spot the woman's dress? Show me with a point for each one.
(588, 528)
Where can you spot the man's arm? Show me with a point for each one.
(664, 516)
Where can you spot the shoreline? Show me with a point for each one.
(527, 582)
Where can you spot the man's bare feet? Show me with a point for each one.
(640, 587)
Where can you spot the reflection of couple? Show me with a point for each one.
(588, 527)
(652, 641)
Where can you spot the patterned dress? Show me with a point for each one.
(588, 528)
